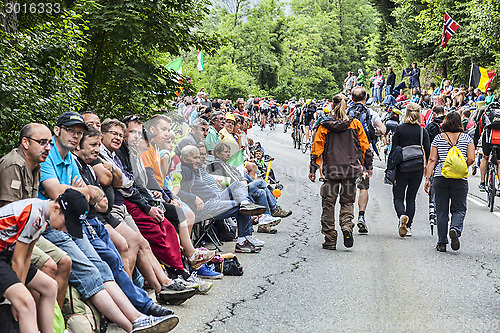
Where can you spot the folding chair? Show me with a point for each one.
(207, 229)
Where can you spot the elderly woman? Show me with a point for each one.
(257, 189)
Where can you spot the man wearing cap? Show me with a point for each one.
(19, 179)
(89, 274)
(199, 131)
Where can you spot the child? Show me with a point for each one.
(21, 224)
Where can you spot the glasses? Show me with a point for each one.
(43, 142)
(72, 131)
(116, 134)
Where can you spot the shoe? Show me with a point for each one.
(206, 272)
(200, 257)
(254, 241)
(266, 230)
(482, 187)
(455, 243)
(252, 209)
(408, 231)
(329, 246)
(246, 247)
(403, 220)
(157, 310)
(155, 324)
(441, 247)
(186, 283)
(348, 239)
(267, 220)
(280, 212)
(175, 294)
(362, 229)
(203, 286)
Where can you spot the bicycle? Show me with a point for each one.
(296, 136)
(491, 177)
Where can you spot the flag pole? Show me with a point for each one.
(470, 75)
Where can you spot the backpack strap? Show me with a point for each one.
(449, 140)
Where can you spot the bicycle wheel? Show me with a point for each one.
(492, 188)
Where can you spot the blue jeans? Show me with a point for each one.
(450, 197)
(260, 193)
(99, 238)
(377, 92)
(227, 204)
(388, 90)
(88, 271)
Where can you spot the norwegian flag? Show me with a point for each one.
(449, 28)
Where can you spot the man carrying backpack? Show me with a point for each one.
(490, 125)
(373, 126)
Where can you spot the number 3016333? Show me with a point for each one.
(33, 8)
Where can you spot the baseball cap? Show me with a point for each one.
(75, 207)
(71, 118)
(230, 116)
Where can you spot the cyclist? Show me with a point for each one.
(273, 107)
(488, 129)
(255, 109)
(297, 123)
(308, 116)
(264, 112)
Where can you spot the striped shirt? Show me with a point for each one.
(443, 147)
(22, 221)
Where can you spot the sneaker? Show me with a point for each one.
(266, 230)
(403, 220)
(157, 310)
(254, 241)
(186, 283)
(252, 209)
(482, 187)
(200, 257)
(441, 247)
(455, 243)
(348, 239)
(206, 272)
(203, 286)
(155, 324)
(246, 247)
(267, 220)
(175, 294)
(329, 246)
(280, 212)
(408, 231)
(362, 229)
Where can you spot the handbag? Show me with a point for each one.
(413, 156)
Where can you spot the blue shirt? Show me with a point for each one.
(55, 167)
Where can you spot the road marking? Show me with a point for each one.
(479, 203)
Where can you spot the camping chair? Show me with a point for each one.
(206, 228)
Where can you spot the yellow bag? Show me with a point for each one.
(454, 165)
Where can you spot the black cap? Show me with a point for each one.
(71, 118)
(75, 208)
(489, 89)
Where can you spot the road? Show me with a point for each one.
(384, 283)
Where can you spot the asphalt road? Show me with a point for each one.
(384, 283)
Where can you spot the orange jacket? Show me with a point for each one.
(344, 148)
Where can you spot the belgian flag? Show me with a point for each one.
(481, 77)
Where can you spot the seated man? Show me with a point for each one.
(232, 202)
(256, 188)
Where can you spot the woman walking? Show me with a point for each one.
(409, 136)
(451, 194)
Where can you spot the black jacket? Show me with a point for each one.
(434, 127)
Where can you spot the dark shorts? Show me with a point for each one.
(264, 112)
(487, 148)
(364, 184)
(308, 117)
(7, 275)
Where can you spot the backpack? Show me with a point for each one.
(81, 315)
(454, 165)
(362, 113)
(492, 113)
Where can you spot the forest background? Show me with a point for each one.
(111, 56)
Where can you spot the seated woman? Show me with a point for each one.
(257, 189)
